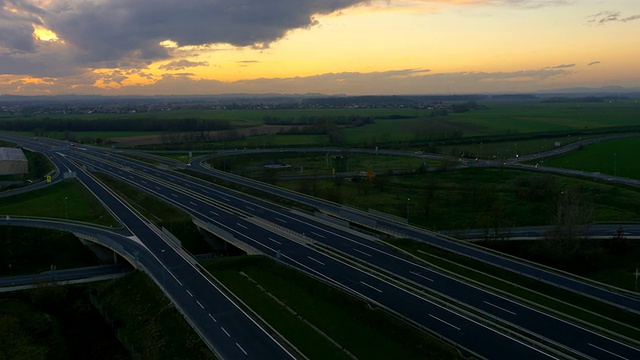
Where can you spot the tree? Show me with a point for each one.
(571, 218)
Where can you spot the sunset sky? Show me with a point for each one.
(184, 47)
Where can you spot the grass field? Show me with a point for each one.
(474, 198)
(306, 163)
(510, 148)
(500, 118)
(534, 116)
(615, 157)
(365, 332)
(68, 199)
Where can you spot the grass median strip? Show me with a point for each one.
(364, 332)
(544, 295)
(159, 212)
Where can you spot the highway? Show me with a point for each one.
(65, 275)
(171, 187)
(469, 333)
(365, 250)
(598, 230)
(620, 299)
(224, 326)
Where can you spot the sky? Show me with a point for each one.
(353, 47)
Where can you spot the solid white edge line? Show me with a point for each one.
(275, 241)
(316, 260)
(607, 351)
(498, 307)
(362, 252)
(373, 287)
(437, 318)
(420, 275)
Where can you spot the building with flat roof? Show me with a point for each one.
(13, 161)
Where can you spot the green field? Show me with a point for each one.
(535, 116)
(313, 163)
(412, 127)
(473, 197)
(614, 157)
(68, 199)
(510, 148)
(499, 122)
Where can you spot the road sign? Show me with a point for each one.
(48, 178)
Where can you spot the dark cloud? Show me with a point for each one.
(605, 17)
(534, 3)
(127, 34)
(562, 66)
(182, 64)
(248, 61)
(117, 29)
(16, 26)
(593, 63)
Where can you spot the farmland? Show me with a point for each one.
(615, 157)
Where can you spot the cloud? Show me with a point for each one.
(182, 64)
(593, 63)
(562, 66)
(126, 34)
(406, 81)
(514, 3)
(16, 26)
(605, 17)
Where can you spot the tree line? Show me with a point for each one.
(142, 124)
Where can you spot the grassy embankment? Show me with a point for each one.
(365, 332)
(147, 321)
(68, 199)
(56, 323)
(31, 251)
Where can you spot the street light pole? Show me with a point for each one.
(163, 276)
(66, 209)
(615, 164)
(408, 209)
